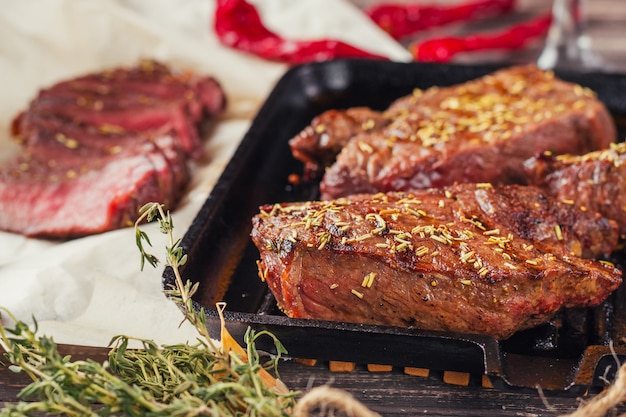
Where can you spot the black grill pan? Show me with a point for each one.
(577, 349)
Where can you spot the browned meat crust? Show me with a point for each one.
(595, 181)
(479, 131)
(467, 258)
(320, 142)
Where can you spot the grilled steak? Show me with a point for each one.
(479, 131)
(595, 181)
(98, 147)
(470, 258)
(320, 142)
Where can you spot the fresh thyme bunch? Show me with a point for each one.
(172, 380)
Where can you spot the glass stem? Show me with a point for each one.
(567, 46)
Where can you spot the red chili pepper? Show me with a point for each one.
(514, 37)
(238, 25)
(401, 20)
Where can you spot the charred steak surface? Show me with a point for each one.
(96, 148)
(320, 142)
(471, 258)
(595, 181)
(479, 131)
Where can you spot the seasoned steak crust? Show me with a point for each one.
(320, 142)
(437, 259)
(595, 181)
(479, 131)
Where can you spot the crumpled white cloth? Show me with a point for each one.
(86, 291)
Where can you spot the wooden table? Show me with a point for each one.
(393, 392)
(389, 392)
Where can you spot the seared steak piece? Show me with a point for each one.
(320, 142)
(595, 181)
(471, 258)
(479, 131)
(98, 147)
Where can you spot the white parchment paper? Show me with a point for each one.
(87, 290)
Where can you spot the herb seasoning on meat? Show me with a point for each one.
(479, 131)
(472, 258)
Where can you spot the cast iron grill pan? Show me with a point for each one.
(573, 351)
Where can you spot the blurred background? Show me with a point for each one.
(602, 22)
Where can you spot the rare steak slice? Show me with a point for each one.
(595, 181)
(471, 258)
(96, 148)
(146, 97)
(53, 141)
(479, 131)
(71, 198)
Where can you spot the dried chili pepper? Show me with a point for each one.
(514, 37)
(401, 20)
(238, 25)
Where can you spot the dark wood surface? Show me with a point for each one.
(393, 392)
(390, 392)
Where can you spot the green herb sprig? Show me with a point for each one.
(174, 258)
(171, 380)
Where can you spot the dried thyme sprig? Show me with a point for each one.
(172, 380)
